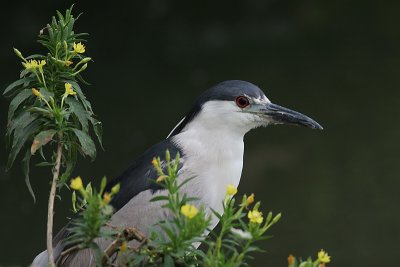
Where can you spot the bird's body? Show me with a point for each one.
(210, 142)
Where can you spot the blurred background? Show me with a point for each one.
(336, 61)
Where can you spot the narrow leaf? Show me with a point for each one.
(17, 100)
(42, 139)
(76, 108)
(98, 130)
(20, 137)
(25, 168)
(87, 144)
(18, 83)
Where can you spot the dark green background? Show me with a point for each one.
(337, 61)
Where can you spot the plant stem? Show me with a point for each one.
(50, 211)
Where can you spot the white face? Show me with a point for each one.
(232, 116)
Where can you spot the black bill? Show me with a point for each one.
(283, 115)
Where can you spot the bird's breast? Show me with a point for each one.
(215, 162)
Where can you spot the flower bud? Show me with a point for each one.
(276, 218)
(85, 60)
(74, 201)
(115, 189)
(83, 67)
(18, 53)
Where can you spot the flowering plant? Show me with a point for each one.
(175, 239)
(48, 112)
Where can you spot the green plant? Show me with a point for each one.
(49, 110)
(322, 259)
(174, 240)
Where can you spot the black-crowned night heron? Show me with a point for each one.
(210, 141)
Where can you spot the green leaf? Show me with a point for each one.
(82, 115)
(46, 93)
(98, 130)
(44, 164)
(42, 139)
(159, 198)
(17, 100)
(70, 160)
(21, 135)
(36, 56)
(87, 144)
(18, 83)
(168, 261)
(81, 96)
(25, 168)
(19, 122)
(43, 111)
(98, 253)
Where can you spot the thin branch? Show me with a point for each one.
(127, 234)
(66, 253)
(50, 210)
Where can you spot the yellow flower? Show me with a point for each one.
(255, 216)
(106, 198)
(324, 257)
(36, 92)
(161, 178)
(123, 246)
(189, 211)
(41, 63)
(68, 63)
(79, 48)
(31, 64)
(291, 260)
(69, 90)
(154, 162)
(76, 183)
(231, 190)
(250, 200)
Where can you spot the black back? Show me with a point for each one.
(141, 174)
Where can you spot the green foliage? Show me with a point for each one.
(47, 103)
(94, 212)
(174, 240)
(322, 259)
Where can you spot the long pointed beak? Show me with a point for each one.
(281, 115)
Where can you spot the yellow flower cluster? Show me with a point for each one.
(79, 48)
(323, 256)
(189, 211)
(34, 64)
(255, 216)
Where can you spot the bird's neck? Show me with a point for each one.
(214, 157)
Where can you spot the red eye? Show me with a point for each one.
(242, 101)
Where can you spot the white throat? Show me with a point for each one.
(213, 151)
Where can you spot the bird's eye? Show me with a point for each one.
(242, 101)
